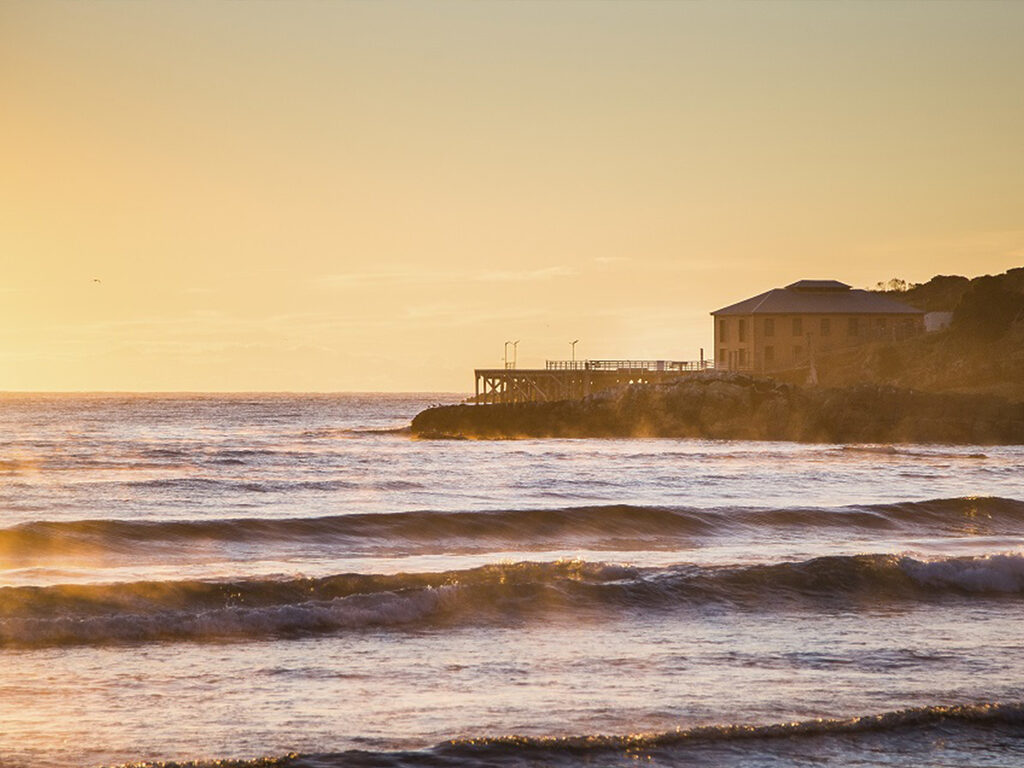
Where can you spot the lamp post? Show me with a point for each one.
(572, 346)
(515, 353)
(506, 353)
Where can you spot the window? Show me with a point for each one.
(720, 362)
(798, 326)
(743, 357)
(853, 327)
(826, 326)
(798, 352)
(742, 332)
(723, 330)
(769, 326)
(769, 355)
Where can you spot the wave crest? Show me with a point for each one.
(176, 610)
(620, 525)
(1011, 714)
(901, 732)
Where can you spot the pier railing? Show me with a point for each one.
(576, 379)
(628, 365)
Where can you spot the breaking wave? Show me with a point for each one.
(1011, 714)
(613, 524)
(502, 593)
(958, 732)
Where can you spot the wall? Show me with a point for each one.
(777, 342)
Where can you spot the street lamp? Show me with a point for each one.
(572, 345)
(506, 353)
(515, 353)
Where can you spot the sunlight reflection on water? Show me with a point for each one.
(264, 491)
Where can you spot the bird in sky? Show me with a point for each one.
(96, 280)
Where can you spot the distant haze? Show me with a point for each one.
(363, 196)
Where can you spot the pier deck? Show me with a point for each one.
(575, 379)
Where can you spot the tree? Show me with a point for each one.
(895, 285)
(987, 309)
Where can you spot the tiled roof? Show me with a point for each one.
(818, 285)
(818, 297)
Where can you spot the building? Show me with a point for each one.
(785, 327)
(937, 321)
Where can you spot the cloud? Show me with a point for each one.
(548, 273)
(417, 276)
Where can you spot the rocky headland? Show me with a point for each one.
(961, 385)
(740, 407)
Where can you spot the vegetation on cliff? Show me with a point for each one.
(982, 352)
(943, 293)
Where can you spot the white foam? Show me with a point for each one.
(990, 573)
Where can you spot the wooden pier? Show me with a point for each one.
(575, 379)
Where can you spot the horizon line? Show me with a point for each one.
(8, 392)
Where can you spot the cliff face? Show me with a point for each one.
(949, 361)
(738, 407)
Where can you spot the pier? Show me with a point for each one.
(575, 379)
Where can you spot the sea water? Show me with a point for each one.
(295, 580)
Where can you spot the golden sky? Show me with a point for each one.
(340, 196)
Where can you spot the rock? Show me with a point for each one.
(738, 407)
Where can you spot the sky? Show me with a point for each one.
(335, 196)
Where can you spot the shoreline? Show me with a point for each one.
(741, 407)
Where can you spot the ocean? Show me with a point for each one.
(293, 580)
